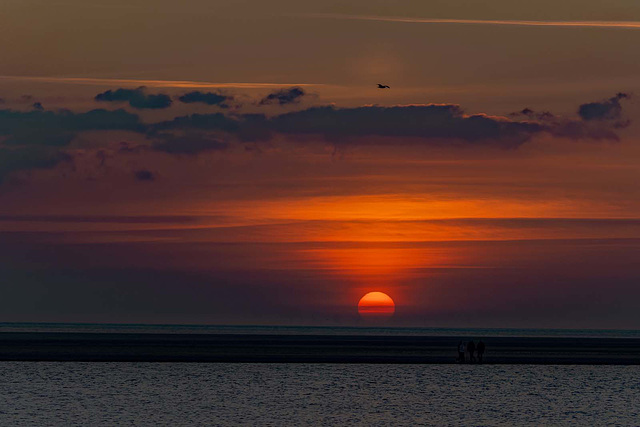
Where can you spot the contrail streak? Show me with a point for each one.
(151, 83)
(627, 25)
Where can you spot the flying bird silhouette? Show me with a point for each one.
(381, 86)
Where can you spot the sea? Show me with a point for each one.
(204, 394)
(314, 330)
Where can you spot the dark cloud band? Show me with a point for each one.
(430, 124)
(611, 109)
(137, 98)
(34, 139)
(208, 98)
(284, 96)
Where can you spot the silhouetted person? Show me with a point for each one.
(461, 350)
(381, 86)
(480, 350)
(471, 348)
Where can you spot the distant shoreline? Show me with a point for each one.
(265, 348)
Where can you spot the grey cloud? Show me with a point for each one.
(284, 96)
(427, 124)
(10, 120)
(435, 123)
(246, 127)
(144, 175)
(610, 109)
(26, 158)
(534, 115)
(33, 139)
(430, 124)
(58, 128)
(137, 98)
(577, 130)
(209, 98)
(215, 121)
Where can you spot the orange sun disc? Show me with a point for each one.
(376, 305)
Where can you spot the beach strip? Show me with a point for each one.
(236, 348)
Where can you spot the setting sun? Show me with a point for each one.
(376, 305)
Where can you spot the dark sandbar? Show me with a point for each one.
(119, 347)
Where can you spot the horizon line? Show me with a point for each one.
(290, 326)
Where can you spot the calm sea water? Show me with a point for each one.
(96, 394)
(315, 330)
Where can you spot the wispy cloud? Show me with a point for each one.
(149, 83)
(627, 25)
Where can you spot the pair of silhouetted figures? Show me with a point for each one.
(473, 350)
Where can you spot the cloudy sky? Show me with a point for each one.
(235, 163)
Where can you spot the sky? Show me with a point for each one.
(235, 162)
